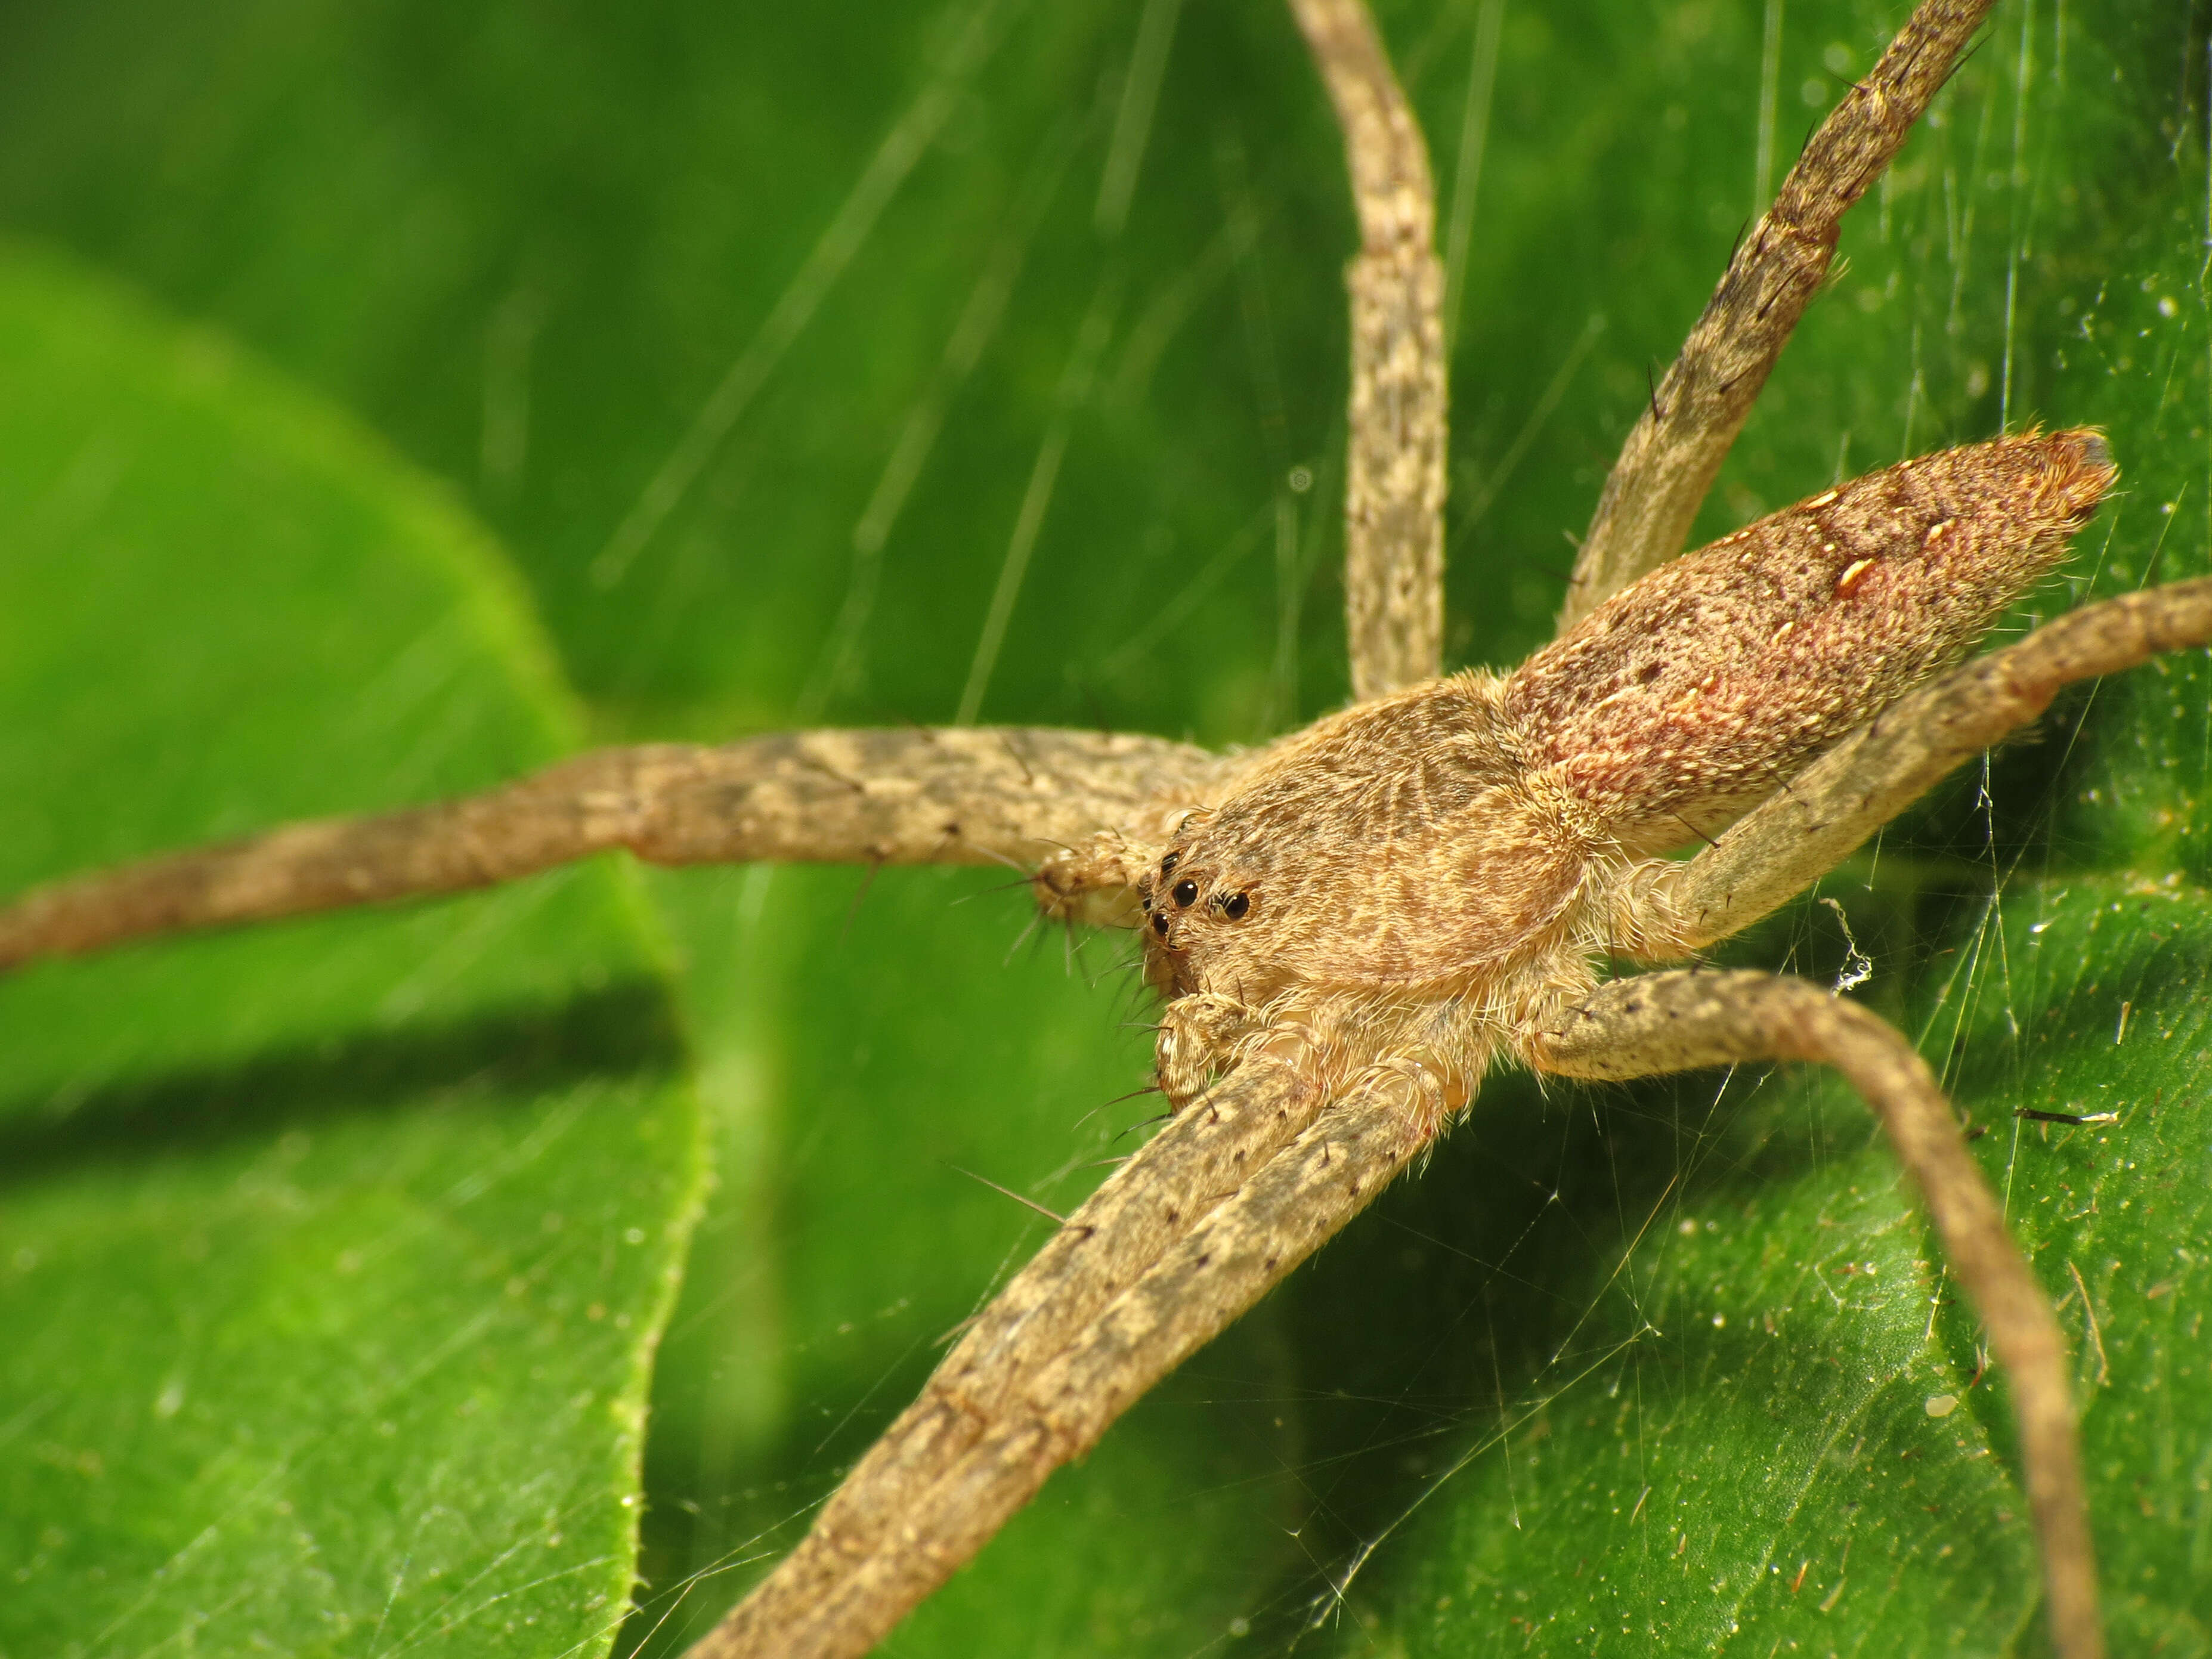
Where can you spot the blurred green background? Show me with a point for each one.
(398, 395)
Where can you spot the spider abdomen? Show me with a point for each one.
(1695, 691)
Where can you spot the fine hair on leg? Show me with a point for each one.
(968, 795)
(1198, 1162)
(993, 1424)
(1394, 486)
(1683, 1020)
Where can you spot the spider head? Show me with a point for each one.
(1193, 902)
(1387, 847)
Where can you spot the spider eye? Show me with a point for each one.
(1169, 863)
(1185, 891)
(1236, 905)
(1160, 926)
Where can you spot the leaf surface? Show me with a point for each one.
(334, 1253)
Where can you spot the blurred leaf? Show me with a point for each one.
(529, 244)
(334, 1254)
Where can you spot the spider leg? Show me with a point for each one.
(1679, 1021)
(1393, 490)
(1234, 1192)
(1677, 443)
(1800, 833)
(968, 795)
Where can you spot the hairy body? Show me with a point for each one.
(1438, 872)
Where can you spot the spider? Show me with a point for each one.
(1080, 872)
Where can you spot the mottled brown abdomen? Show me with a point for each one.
(1695, 692)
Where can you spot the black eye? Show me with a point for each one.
(1160, 926)
(1236, 905)
(1168, 863)
(1185, 891)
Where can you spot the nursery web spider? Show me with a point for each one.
(1352, 926)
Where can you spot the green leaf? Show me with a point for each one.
(527, 248)
(335, 1253)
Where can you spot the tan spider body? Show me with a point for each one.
(1431, 875)
(1352, 926)
(1382, 905)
